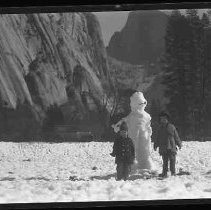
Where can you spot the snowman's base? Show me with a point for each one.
(143, 174)
(150, 168)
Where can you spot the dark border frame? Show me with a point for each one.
(17, 8)
(100, 204)
(101, 7)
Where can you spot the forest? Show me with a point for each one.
(186, 63)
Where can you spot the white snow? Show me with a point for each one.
(39, 172)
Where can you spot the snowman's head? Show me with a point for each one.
(138, 102)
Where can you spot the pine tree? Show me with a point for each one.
(187, 71)
(206, 74)
(198, 68)
(203, 73)
(192, 71)
(174, 67)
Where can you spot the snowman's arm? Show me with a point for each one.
(122, 120)
(116, 126)
(149, 128)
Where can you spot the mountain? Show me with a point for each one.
(128, 77)
(141, 40)
(52, 66)
(125, 75)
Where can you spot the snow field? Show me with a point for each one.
(58, 172)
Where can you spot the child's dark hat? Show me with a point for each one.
(164, 114)
(123, 126)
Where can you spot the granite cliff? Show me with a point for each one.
(50, 63)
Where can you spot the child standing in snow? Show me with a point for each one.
(124, 152)
(167, 140)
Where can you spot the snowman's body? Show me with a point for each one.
(140, 131)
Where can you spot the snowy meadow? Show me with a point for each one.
(68, 172)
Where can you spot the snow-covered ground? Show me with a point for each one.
(44, 172)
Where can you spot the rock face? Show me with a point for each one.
(141, 41)
(130, 78)
(50, 61)
(126, 75)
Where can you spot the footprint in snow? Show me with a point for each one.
(208, 172)
(207, 190)
(7, 179)
(164, 190)
(183, 172)
(10, 172)
(37, 178)
(188, 185)
(75, 178)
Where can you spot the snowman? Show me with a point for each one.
(140, 131)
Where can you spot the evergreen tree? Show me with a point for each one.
(174, 66)
(192, 70)
(187, 71)
(206, 75)
(198, 70)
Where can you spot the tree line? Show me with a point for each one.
(187, 66)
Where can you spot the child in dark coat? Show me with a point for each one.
(167, 140)
(124, 153)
